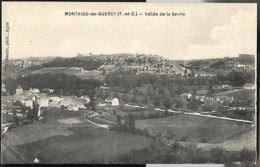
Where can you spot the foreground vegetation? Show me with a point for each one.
(160, 153)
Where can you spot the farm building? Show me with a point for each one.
(186, 95)
(34, 90)
(216, 87)
(32, 97)
(86, 98)
(43, 102)
(201, 92)
(73, 108)
(249, 86)
(19, 90)
(3, 87)
(104, 87)
(81, 106)
(55, 99)
(101, 105)
(47, 90)
(72, 101)
(29, 103)
(226, 86)
(112, 101)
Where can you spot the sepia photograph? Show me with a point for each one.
(128, 83)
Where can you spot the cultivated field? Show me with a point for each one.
(83, 74)
(193, 128)
(238, 142)
(71, 140)
(49, 70)
(38, 130)
(95, 74)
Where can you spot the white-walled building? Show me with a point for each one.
(34, 90)
(19, 90)
(43, 101)
(113, 102)
(249, 86)
(29, 103)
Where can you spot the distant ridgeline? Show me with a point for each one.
(98, 66)
(246, 58)
(93, 62)
(126, 71)
(243, 61)
(87, 63)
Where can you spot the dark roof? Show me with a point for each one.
(30, 97)
(109, 98)
(19, 87)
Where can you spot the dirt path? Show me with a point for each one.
(10, 154)
(102, 126)
(105, 120)
(216, 117)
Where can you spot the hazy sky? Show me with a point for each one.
(206, 30)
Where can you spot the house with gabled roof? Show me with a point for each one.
(249, 86)
(19, 90)
(112, 101)
(34, 90)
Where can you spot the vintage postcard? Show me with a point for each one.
(128, 83)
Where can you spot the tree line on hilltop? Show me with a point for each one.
(127, 80)
(62, 84)
(86, 63)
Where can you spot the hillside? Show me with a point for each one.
(97, 66)
(208, 67)
(238, 94)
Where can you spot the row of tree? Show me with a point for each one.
(128, 80)
(61, 83)
(87, 63)
(161, 153)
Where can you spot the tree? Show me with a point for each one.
(247, 155)
(131, 121)
(116, 95)
(125, 98)
(207, 108)
(167, 103)
(15, 119)
(104, 72)
(218, 155)
(10, 85)
(32, 114)
(161, 91)
(166, 113)
(134, 99)
(171, 93)
(106, 95)
(179, 104)
(237, 79)
(92, 104)
(17, 103)
(101, 94)
(119, 120)
(156, 103)
(193, 106)
(145, 100)
(185, 71)
(220, 109)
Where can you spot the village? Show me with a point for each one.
(148, 99)
(143, 98)
(35, 100)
